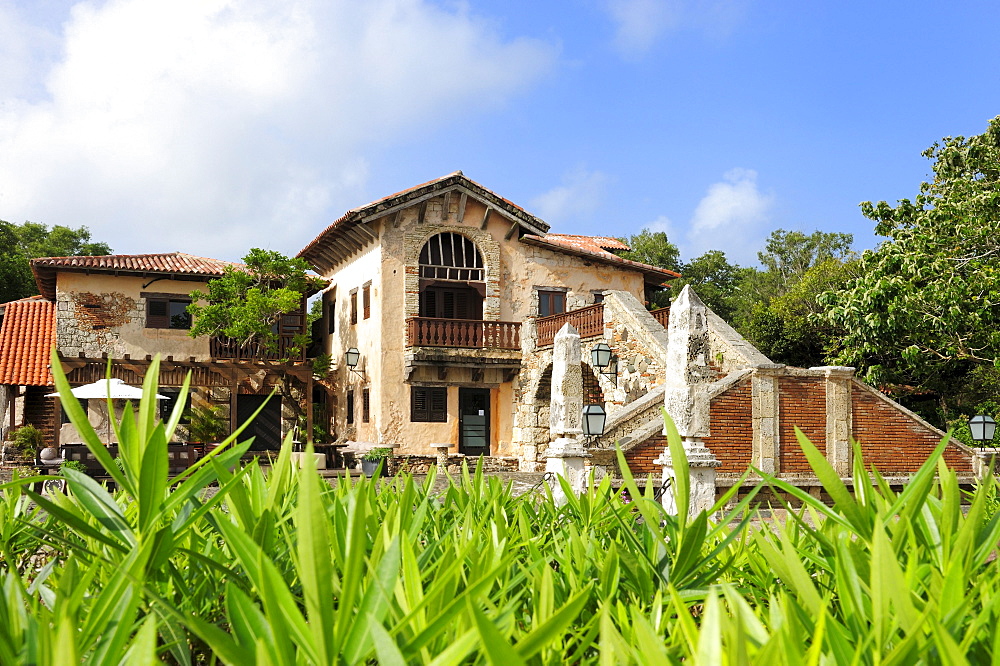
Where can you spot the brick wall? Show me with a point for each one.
(640, 459)
(802, 403)
(895, 443)
(732, 429)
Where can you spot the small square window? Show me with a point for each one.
(429, 404)
(551, 303)
(167, 313)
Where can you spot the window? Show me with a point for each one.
(456, 303)
(366, 300)
(451, 256)
(350, 406)
(429, 404)
(171, 395)
(331, 310)
(167, 313)
(366, 405)
(598, 297)
(551, 302)
(354, 307)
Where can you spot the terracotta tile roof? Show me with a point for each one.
(589, 243)
(651, 274)
(319, 253)
(27, 336)
(170, 263)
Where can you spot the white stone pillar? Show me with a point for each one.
(442, 455)
(766, 453)
(565, 454)
(839, 417)
(688, 375)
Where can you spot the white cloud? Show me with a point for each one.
(640, 24)
(733, 216)
(580, 195)
(213, 125)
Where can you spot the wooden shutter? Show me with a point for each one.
(367, 301)
(438, 404)
(366, 405)
(350, 406)
(354, 307)
(157, 313)
(428, 303)
(418, 404)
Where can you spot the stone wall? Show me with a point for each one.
(422, 464)
(91, 323)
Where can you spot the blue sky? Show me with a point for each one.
(212, 126)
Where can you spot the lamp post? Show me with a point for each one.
(600, 356)
(594, 419)
(983, 428)
(352, 356)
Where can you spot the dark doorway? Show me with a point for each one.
(474, 421)
(266, 428)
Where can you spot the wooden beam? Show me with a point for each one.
(442, 372)
(366, 230)
(445, 206)
(397, 218)
(513, 228)
(421, 212)
(486, 217)
(461, 206)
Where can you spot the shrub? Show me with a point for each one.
(27, 440)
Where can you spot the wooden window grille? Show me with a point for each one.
(449, 256)
(429, 404)
(366, 405)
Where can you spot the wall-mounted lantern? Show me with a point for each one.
(600, 357)
(594, 419)
(352, 357)
(983, 428)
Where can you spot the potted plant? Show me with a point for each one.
(27, 441)
(371, 460)
(208, 424)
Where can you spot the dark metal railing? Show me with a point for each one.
(227, 348)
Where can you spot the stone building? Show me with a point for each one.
(438, 289)
(123, 309)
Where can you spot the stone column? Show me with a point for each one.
(686, 398)
(442, 455)
(838, 417)
(565, 454)
(766, 454)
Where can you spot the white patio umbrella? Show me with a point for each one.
(103, 389)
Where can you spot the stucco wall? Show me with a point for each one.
(97, 314)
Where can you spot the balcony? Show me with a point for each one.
(468, 334)
(227, 348)
(589, 321)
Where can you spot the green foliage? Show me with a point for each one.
(208, 423)
(74, 465)
(653, 248)
(283, 568)
(21, 242)
(246, 304)
(923, 309)
(715, 280)
(378, 453)
(27, 439)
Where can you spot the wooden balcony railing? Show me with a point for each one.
(589, 321)
(227, 348)
(473, 334)
(661, 315)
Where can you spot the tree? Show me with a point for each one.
(652, 248)
(925, 308)
(713, 278)
(246, 303)
(21, 243)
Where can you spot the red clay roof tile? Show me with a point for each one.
(27, 336)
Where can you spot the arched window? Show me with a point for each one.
(449, 256)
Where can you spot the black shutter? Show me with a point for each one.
(157, 313)
(462, 305)
(439, 405)
(448, 307)
(428, 303)
(350, 406)
(418, 404)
